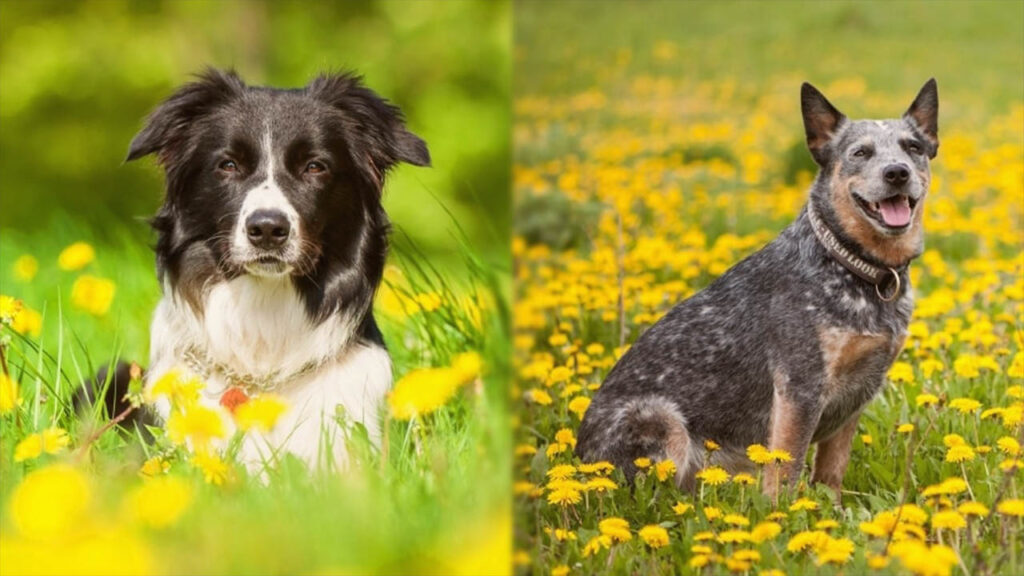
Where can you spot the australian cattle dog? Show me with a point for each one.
(788, 346)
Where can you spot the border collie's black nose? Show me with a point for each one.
(267, 229)
(896, 174)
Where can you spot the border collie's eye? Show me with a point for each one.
(315, 167)
(228, 166)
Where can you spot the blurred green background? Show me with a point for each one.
(77, 79)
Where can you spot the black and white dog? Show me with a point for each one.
(271, 244)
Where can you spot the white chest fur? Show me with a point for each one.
(259, 325)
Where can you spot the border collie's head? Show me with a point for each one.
(276, 184)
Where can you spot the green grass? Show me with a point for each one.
(434, 499)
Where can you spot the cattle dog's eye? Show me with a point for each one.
(229, 166)
(862, 152)
(315, 168)
(913, 147)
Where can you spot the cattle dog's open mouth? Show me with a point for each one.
(893, 213)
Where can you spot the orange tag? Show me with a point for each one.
(233, 398)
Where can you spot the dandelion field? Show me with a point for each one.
(650, 157)
(78, 497)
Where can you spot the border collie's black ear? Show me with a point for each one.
(924, 114)
(167, 125)
(376, 128)
(821, 121)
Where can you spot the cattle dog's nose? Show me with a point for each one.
(896, 174)
(267, 229)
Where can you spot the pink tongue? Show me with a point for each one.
(895, 211)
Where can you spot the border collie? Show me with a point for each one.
(271, 244)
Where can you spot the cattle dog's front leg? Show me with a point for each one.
(833, 456)
(794, 419)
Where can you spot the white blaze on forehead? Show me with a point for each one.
(266, 195)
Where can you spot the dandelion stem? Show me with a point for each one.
(96, 435)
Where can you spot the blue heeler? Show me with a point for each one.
(787, 347)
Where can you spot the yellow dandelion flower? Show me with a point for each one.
(423, 391)
(1017, 390)
(744, 479)
(681, 508)
(565, 494)
(215, 470)
(876, 562)
(866, 439)
(758, 454)
(561, 570)
(615, 528)
(1012, 416)
(736, 520)
(92, 294)
(76, 257)
(713, 476)
(711, 446)
(50, 502)
(664, 470)
(803, 504)
(711, 513)
(1011, 507)
(558, 339)
(25, 268)
(9, 308)
(54, 440)
(948, 486)
(776, 516)
(10, 396)
(951, 440)
(948, 520)
(901, 372)
(596, 544)
(926, 400)
(642, 463)
(905, 428)
(924, 560)
(1008, 445)
(973, 509)
(154, 466)
(179, 388)
(28, 321)
(468, 365)
(703, 536)
(561, 472)
(960, 454)
(197, 424)
(1011, 464)
(579, 405)
(835, 551)
(654, 536)
(807, 540)
(28, 449)
(565, 436)
(930, 366)
(699, 561)
(538, 396)
(260, 413)
(965, 405)
(700, 549)
(595, 349)
(601, 467)
(765, 531)
(601, 484)
(159, 502)
(826, 524)
(734, 536)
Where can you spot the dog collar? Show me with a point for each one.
(868, 272)
(205, 367)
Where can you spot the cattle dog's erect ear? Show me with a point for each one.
(166, 130)
(378, 138)
(821, 121)
(924, 115)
